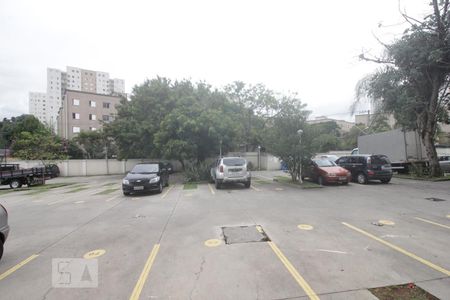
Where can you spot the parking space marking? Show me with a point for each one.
(300, 280)
(431, 222)
(112, 198)
(256, 189)
(165, 194)
(211, 189)
(401, 250)
(148, 266)
(18, 266)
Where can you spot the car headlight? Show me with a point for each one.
(125, 181)
(154, 179)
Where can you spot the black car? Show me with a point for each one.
(367, 167)
(145, 177)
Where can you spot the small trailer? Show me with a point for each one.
(12, 175)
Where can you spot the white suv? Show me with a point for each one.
(230, 169)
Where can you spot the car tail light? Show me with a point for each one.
(221, 169)
(370, 172)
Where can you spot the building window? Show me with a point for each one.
(76, 102)
(76, 129)
(76, 116)
(106, 104)
(105, 118)
(92, 103)
(92, 117)
(92, 128)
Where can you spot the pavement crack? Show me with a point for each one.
(197, 276)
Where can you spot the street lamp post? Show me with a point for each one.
(299, 132)
(220, 149)
(259, 158)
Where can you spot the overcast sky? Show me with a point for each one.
(307, 47)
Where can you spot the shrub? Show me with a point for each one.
(194, 172)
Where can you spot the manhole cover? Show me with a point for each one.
(244, 234)
(435, 199)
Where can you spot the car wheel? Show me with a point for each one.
(160, 189)
(126, 193)
(15, 184)
(385, 180)
(320, 180)
(361, 178)
(1, 249)
(217, 184)
(247, 184)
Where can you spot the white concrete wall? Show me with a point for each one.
(91, 167)
(268, 161)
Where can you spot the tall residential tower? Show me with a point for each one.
(46, 106)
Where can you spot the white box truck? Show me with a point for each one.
(402, 147)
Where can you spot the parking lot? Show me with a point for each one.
(281, 241)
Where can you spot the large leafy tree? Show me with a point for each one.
(282, 138)
(413, 84)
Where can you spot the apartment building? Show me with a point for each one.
(85, 111)
(46, 106)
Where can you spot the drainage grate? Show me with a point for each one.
(435, 199)
(244, 234)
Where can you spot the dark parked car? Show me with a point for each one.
(367, 167)
(444, 162)
(145, 177)
(4, 228)
(325, 171)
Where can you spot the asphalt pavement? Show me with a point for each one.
(334, 242)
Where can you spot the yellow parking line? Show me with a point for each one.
(431, 222)
(302, 282)
(165, 194)
(211, 189)
(401, 250)
(141, 281)
(18, 266)
(256, 189)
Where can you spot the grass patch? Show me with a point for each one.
(413, 177)
(79, 189)
(36, 189)
(106, 192)
(190, 186)
(402, 292)
(304, 185)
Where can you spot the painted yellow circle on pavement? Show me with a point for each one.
(305, 227)
(212, 243)
(386, 222)
(94, 253)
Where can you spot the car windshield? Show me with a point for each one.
(324, 163)
(145, 169)
(234, 161)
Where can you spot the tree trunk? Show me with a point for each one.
(435, 168)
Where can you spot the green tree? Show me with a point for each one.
(38, 146)
(94, 144)
(413, 84)
(282, 138)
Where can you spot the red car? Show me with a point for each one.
(324, 171)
